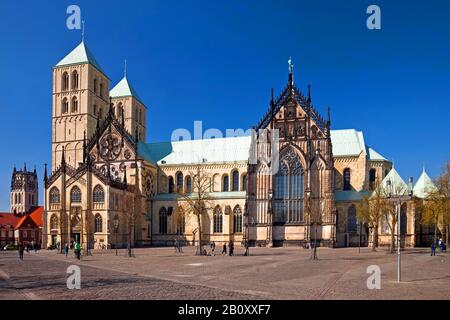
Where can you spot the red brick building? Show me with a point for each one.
(21, 227)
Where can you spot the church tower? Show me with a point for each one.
(80, 95)
(126, 101)
(24, 190)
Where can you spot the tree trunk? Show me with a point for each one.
(375, 238)
(392, 245)
(435, 233)
(199, 246)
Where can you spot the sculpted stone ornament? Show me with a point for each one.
(110, 147)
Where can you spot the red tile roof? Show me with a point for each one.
(34, 217)
(7, 218)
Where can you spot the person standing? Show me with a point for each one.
(78, 250)
(213, 247)
(66, 249)
(224, 250)
(433, 249)
(20, 248)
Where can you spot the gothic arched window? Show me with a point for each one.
(351, 219)
(54, 195)
(98, 223)
(347, 185)
(289, 189)
(75, 195)
(65, 105)
(179, 176)
(235, 179)
(74, 104)
(54, 222)
(226, 183)
(75, 79)
(98, 194)
(244, 182)
(218, 220)
(188, 184)
(163, 220)
(237, 219)
(65, 82)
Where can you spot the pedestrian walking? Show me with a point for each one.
(231, 248)
(224, 250)
(66, 249)
(175, 245)
(433, 249)
(20, 248)
(213, 247)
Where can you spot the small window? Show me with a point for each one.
(179, 182)
(347, 185)
(101, 90)
(74, 104)
(188, 184)
(171, 185)
(95, 86)
(244, 182)
(235, 178)
(372, 178)
(95, 109)
(226, 183)
(65, 82)
(74, 80)
(65, 105)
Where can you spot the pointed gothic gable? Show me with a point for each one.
(113, 141)
(286, 107)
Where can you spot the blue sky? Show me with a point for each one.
(216, 61)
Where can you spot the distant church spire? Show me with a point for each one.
(82, 32)
(291, 72)
(309, 93)
(125, 69)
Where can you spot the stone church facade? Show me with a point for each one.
(107, 186)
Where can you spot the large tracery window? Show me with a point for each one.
(352, 223)
(99, 194)
(54, 195)
(218, 220)
(289, 189)
(163, 220)
(98, 223)
(75, 195)
(237, 219)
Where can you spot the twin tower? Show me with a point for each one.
(81, 98)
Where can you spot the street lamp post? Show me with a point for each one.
(116, 226)
(397, 198)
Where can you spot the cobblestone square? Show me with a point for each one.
(269, 273)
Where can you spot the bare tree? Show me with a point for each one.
(198, 202)
(371, 210)
(436, 206)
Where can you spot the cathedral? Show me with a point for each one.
(293, 181)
